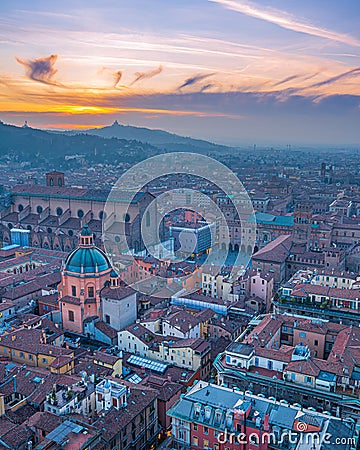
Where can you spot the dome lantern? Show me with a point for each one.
(86, 236)
(114, 279)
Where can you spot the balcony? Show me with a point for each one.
(319, 309)
(278, 383)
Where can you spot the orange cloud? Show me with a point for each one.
(143, 75)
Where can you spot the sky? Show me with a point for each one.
(230, 71)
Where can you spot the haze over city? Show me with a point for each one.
(230, 71)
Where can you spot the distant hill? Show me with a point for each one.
(159, 138)
(113, 145)
(25, 144)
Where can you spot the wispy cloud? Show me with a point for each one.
(287, 80)
(285, 94)
(300, 77)
(143, 75)
(195, 79)
(285, 20)
(117, 77)
(348, 74)
(41, 69)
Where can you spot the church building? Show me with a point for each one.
(86, 271)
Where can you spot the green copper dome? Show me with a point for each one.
(87, 260)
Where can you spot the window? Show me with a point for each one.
(22, 355)
(39, 209)
(206, 430)
(107, 318)
(206, 443)
(71, 316)
(316, 342)
(73, 291)
(270, 365)
(147, 218)
(195, 440)
(302, 334)
(80, 213)
(308, 380)
(91, 291)
(59, 211)
(195, 426)
(44, 360)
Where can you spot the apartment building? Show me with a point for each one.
(299, 360)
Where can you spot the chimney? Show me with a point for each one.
(266, 422)
(44, 335)
(2, 404)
